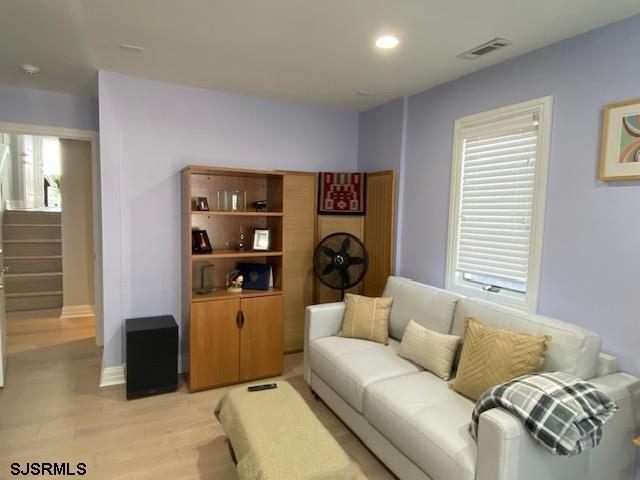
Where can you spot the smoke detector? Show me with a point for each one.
(29, 69)
(485, 48)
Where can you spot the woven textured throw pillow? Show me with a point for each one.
(491, 356)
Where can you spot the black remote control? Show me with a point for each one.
(266, 386)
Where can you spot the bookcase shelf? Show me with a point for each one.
(233, 337)
(222, 294)
(233, 254)
(216, 213)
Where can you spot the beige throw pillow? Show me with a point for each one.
(431, 350)
(491, 356)
(366, 317)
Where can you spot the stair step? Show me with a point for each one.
(25, 216)
(38, 301)
(34, 240)
(33, 264)
(23, 248)
(33, 294)
(32, 275)
(30, 225)
(33, 283)
(31, 231)
(32, 257)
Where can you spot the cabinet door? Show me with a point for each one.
(261, 337)
(214, 358)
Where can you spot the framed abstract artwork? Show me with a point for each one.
(620, 144)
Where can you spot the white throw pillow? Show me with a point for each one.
(431, 350)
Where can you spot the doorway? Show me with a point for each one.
(32, 223)
(50, 244)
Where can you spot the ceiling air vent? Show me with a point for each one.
(485, 48)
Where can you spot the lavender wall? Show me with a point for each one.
(42, 107)
(381, 146)
(149, 131)
(591, 258)
(380, 137)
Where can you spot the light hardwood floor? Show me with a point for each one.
(52, 409)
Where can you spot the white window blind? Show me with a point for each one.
(498, 190)
(496, 198)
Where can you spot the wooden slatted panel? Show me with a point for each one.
(379, 230)
(298, 232)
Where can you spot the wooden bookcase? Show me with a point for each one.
(232, 337)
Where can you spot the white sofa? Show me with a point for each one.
(417, 426)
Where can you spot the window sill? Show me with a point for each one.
(505, 298)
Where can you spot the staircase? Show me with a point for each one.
(33, 260)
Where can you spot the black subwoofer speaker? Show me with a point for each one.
(152, 356)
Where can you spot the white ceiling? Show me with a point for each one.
(312, 51)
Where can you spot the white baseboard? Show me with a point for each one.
(70, 311)
(116, 375)
(112, 376)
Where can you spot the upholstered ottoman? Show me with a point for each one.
(275, 436)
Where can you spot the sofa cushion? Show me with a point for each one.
(348, 365)
(573, 350)
(429, 306)
(426, 421)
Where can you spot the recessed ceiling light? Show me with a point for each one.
(29, 69)
(387, 41)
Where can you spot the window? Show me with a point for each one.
(498, 190)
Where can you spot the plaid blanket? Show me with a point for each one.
(562, 413)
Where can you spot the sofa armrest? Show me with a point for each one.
(620, 387)
(607, 364)
(506, 450)
(320, 321)
(323, 320)
(500, 438)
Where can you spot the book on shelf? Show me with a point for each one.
(256, 276)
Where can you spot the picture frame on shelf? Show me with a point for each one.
(200, 242)
(206, 279)
(620, 142)
(202, 204)
(261, 239)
